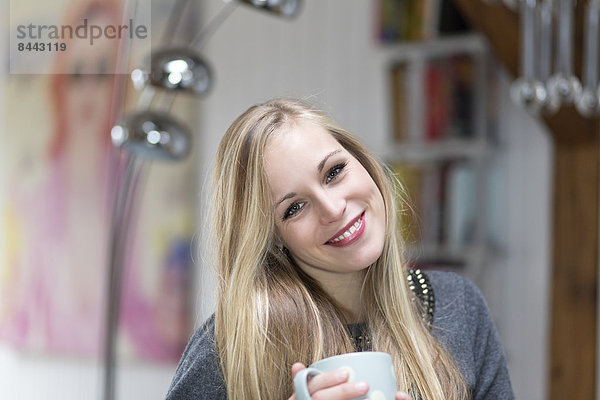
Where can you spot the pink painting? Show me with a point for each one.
(56, 210)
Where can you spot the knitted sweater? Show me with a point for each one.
(461, 323)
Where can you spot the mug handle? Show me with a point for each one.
(301, 383)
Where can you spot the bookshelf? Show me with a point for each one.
(440, 144)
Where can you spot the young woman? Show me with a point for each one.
(310, 265)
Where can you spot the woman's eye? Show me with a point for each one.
(292, 210)
(334, 172)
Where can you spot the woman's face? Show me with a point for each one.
(89, 83)
(328, 210)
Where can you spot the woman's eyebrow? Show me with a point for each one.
(284, 198)
(324, 160)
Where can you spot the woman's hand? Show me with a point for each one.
(334, 385)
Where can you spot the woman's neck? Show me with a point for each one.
(346, 290)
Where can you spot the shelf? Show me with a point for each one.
(472, 43)
(438, 145)
(439, 254)
(436, 151)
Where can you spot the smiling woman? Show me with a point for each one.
(332, 218)
(310, 265)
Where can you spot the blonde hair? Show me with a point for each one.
(269, 313)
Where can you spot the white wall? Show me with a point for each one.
(326, 54)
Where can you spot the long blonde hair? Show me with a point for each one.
(269, 313)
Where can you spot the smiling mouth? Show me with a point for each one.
(351, 234)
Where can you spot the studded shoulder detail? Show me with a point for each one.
(419, 284)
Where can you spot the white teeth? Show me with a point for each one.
(349, 232)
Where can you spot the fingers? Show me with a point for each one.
(327, 379)
(403, 396)
(332, 385)
(297, 367)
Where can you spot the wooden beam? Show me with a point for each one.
(572, 369)
(499, 24)
(575, 259)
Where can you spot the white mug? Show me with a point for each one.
(373, 367)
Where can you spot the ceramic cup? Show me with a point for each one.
(372, 367)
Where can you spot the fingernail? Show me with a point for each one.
(361, 386)
(342, 375)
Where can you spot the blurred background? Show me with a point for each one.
(420, 82)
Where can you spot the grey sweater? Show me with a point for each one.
(461, 323)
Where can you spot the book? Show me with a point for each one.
(460, 205)
(449, 98)
(407, 20)
(398, 76)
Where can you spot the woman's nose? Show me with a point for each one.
(331, 207)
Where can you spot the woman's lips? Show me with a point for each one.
(351, 233)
